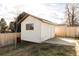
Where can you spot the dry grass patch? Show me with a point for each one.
(43, 49)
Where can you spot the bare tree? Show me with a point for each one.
(71, 14)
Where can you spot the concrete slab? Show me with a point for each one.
(63, 41)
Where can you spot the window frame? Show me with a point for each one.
(28, 26)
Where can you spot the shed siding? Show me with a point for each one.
(31, 35)
(47, 31)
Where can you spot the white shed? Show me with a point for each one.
(35, 29)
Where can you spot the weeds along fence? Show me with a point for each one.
(8, 38)
(65, 31)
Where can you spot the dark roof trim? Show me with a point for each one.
(22, 19)
(42, 20)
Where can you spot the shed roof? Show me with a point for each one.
(26, 15)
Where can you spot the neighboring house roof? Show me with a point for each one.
(26, 15)
(60, 24)
(66, 25)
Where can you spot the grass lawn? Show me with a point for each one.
(43, 49)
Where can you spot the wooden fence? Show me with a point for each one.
(65, 31)
(8, 38)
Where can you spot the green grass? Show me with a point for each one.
(32, 49)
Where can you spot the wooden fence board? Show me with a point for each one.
(65, 31)
(8, 38)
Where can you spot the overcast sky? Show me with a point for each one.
(50, 11)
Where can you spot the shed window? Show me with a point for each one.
(29, 26)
